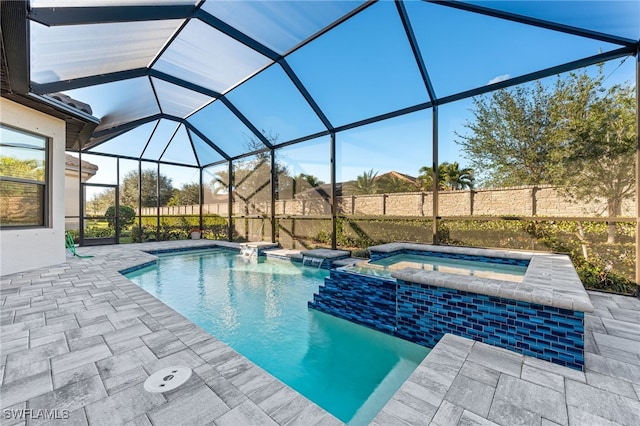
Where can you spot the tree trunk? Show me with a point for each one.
(611, 233)
(614, 207)
(583, 241)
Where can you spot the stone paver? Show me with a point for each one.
(27, 388)
(80, 336)
(124, 406)
(603, 404)
(530, 397)
(74, 375)
(198, 407)
(471, 395)
(79, 357)
(72, 396)
(530, 391)
(125, 361)
(245, 414)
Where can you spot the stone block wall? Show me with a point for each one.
(501, 202)
(368, 204)
(404, 204)
(220, 209)
(517, 201)
(290, 207)
(455, 203)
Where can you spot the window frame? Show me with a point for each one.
(44, 185)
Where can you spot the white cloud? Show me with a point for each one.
(499, 78)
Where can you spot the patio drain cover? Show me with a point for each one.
(167, 379)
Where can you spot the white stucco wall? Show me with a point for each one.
(24, 249)
(71, 195)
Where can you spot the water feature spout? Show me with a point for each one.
(312, 261)
(249, 251)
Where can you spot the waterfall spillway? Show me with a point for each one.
(312, 261)
(249, 251)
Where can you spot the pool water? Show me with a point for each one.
(383, 267)
(260, 310)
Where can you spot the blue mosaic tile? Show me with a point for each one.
(137, 267)
(183, 249)
(423, 314)
(359, 298)
(374, 255)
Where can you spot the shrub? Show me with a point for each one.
(98, 232)
(142, 234)
(600, 277)
(126, 216)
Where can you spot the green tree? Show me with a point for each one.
(187, 195)
(252, 177)
(513, 136)
(129, 189)
(27, 169)
(364, 183)
(575, 134)
(599, 142)
(98, 204)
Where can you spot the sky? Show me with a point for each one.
(362, 68)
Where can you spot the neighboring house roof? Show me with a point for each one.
(71, 163)
(324, 190)
(398, 175)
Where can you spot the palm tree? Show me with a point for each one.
(308, 180)
(425, 178)
(455, 178)
(365, 183)
(449, 177)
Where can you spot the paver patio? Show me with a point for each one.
(80, 337)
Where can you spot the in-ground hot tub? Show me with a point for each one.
(495, 269)
(540, 315)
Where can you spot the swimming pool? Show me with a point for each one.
(260, 310)
(450, 265)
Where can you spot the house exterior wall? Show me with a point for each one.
(71, 196)
(30, 248)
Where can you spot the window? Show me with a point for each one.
(23, 178)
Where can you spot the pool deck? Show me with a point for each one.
(81, 337)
